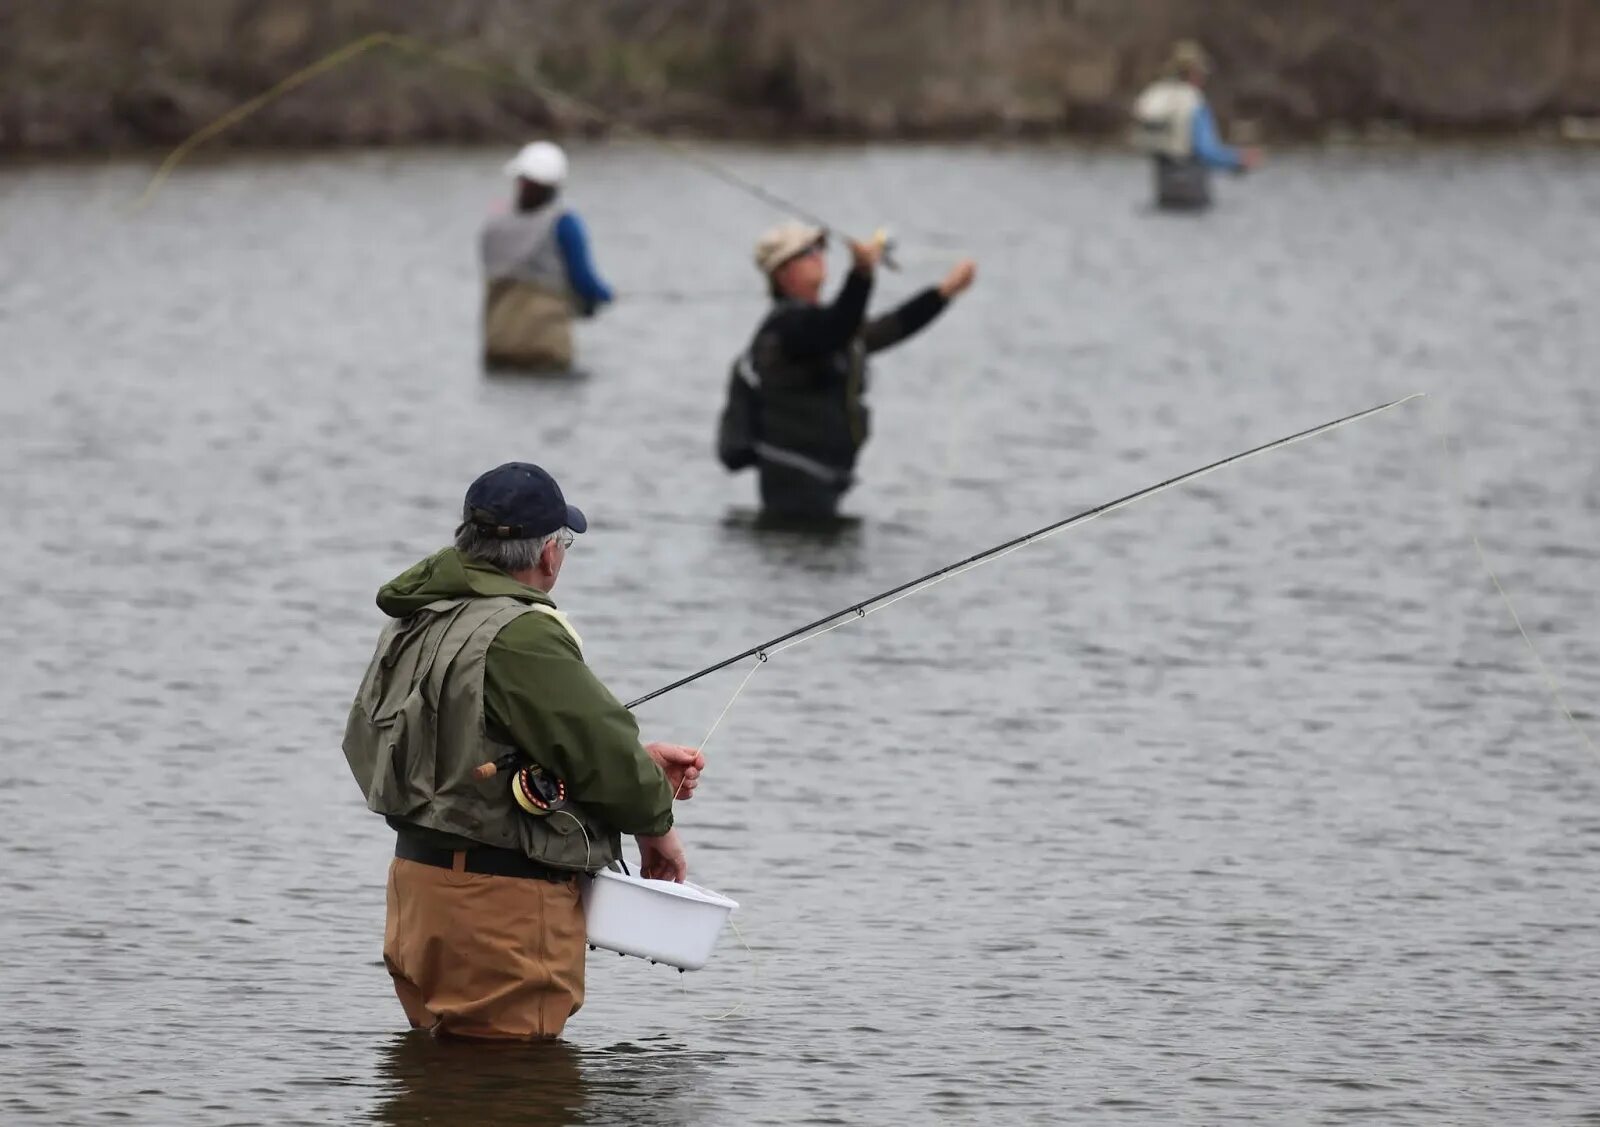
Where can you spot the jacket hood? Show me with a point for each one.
(447, 575)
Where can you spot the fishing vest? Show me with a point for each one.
(739, 428)
(527, 301)
(416, 732)
(1163, 119)
(522, 247)
(810, 412)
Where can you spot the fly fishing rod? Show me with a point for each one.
(861, 609)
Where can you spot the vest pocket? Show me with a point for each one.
(564, 838)
(392, 789)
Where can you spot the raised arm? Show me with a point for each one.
(908, 319)
(916, 314)
(818, 330)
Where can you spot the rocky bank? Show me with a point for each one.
(95, 75)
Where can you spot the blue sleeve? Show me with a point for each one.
(1208, 147)
(574, 244)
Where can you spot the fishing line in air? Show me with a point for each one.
(500, 75)
(1458, 481)
(755, 961)
(755, 979)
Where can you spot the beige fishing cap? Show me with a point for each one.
(1187, 55)
(786, 241)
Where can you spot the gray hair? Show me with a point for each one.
(509, 556)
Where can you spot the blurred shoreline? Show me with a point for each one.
(95, 76)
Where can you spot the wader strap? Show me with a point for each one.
(809, 466)
(452, 607)
(746, 370)
(432, 685)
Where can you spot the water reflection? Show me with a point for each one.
(436, 1080)
(545, 1084)
(840, 545)
(829, 528)
(557, 376)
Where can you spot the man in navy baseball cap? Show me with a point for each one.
(520, 501)
(477, 672)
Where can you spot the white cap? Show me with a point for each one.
(541, 162)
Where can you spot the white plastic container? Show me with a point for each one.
(676, 924)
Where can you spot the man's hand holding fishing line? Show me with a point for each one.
(682, 766)
(662, 857)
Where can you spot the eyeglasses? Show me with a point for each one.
(565, 537)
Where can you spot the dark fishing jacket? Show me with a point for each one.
(807, 365)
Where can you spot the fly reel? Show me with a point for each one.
(536, 792)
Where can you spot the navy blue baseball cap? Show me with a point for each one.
(518, 501)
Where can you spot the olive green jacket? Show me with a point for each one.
(539, 696)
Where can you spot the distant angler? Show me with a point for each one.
(537, 271)
(1174, 126)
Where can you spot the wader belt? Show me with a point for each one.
(832, 475)
(484, 859)
(787, 493)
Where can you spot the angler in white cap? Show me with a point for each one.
(796, 409)
(536, 268)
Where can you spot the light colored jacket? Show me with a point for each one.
(1163, 118)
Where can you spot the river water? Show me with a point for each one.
(1244, 804)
